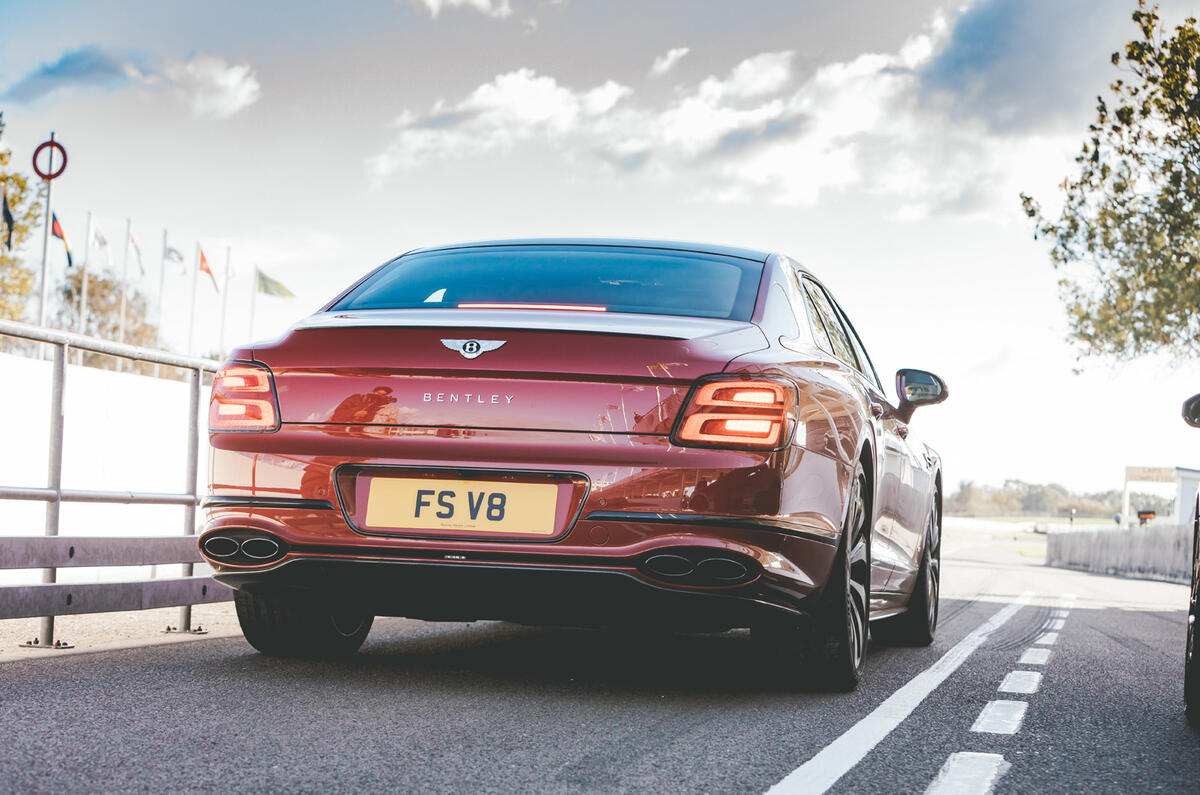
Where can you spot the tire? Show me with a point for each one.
(1191, 675)
(841, 623)
(917, 625)
(282, 626)
(831, 645)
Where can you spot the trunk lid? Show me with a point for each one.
(565, 371)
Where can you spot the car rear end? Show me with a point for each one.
(546, 433)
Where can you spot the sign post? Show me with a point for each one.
(49, 175)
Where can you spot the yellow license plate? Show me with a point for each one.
(470, 505)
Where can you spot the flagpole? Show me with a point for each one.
(195, 284)
(253, 301)
(162, 280)
(124, 279)
(45, 293)
(83, 278)
(224, 303)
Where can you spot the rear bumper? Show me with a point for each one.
(778, 513)
(543, 584)
(531, 594)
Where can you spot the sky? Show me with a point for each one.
(882, 144)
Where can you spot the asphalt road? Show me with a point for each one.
(500, 708)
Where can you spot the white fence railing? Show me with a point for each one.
(1160, 552)
(51, 552)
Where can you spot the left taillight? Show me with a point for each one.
(243, 399)
(740, 412)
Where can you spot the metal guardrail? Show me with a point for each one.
(52, 552)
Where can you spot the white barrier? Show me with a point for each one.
(1158, 552)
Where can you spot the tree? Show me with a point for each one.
(16, 281)
(103, 316)
(1127, 241)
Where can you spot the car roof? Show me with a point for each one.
(582, 242)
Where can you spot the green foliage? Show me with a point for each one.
(16, 281)
(1127, 243)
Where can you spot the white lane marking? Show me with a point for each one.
(1000, 717)
(1046, 639)
(969, 773)
(836, 759)
(1034, 657)
(1060, 613)
(1021, 682)
(1056, 624)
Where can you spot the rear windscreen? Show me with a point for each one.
(645, 281)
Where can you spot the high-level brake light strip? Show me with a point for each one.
(560, 307)
(840, 756)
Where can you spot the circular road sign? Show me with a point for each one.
(52, 145)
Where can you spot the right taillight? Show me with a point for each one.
(243, 399)
(757, 413)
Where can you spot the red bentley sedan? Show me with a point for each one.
(577, 432)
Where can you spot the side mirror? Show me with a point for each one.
(918, 388)
(1191, 411)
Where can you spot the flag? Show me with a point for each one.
(56, 230)
(269, 286)
(100, 240)
(205, 269)
(137, 251)
(8, 220)
(171, 254)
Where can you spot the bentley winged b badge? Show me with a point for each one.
(472, 348)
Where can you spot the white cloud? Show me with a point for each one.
(214, 87)
(758, 131)
(514, 108)
(667, 61)
(491, 8)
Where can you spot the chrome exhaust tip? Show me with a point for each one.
(221, 546)
(260, 548)
(668, 565)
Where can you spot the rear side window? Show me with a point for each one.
(833, 326)
(615, 279)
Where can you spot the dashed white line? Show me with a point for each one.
(1034, 657)
(968, 773)
(1056, 624)
(1046, 639)
(1000, 717)
(1060, 613)
(1021, 682)
(840, 756)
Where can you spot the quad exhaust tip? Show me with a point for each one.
(246, 547)
(700, 567)
(221, 546)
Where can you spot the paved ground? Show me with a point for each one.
(501, 708)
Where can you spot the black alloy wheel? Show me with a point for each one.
(917, 625)
(842, 627)
(1191, 672)
(828, 648)
(1191, 675)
